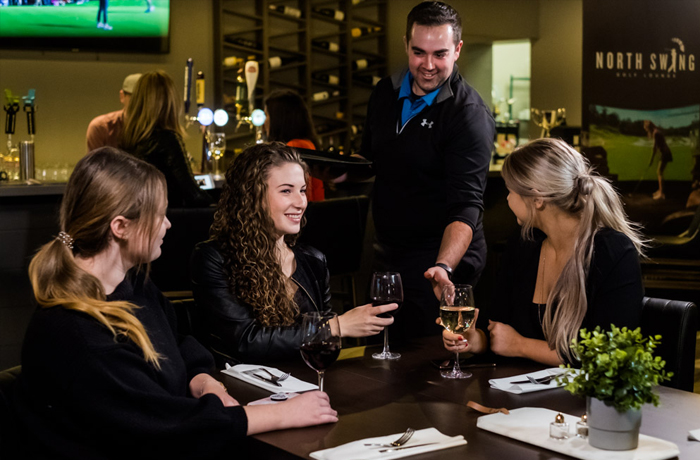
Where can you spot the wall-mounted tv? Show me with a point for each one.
(140, 26)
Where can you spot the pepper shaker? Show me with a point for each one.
(559, 429)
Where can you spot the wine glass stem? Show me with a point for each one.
(320, 380)
(386, 341)
(456, 369)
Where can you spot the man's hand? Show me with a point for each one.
(505, 340)
(439, 279)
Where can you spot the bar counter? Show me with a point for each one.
(376, 398)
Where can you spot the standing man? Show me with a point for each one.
(430, 137)
(106, 130)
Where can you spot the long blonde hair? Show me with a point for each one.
(154, 104)
(553, 171)
(246, 234)
(105, 184)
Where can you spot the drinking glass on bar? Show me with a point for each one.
(217, 146)
(457, 311)
(320, 343)
(386, 288)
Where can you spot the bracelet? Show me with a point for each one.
(447, 268)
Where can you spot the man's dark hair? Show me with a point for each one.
(434, 14)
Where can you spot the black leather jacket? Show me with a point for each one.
(235, 334)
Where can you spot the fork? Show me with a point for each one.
(539, 381)
(274, 377)
(399, 442)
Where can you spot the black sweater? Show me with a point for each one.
(236, 335)
(433, 171)
(614, 288)
(84, 394)
(165, 150)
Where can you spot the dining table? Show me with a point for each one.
(382, 397)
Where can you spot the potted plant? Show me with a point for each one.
(618, 374)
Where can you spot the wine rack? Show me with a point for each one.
(330, 52)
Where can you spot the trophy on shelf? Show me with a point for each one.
(548, 119)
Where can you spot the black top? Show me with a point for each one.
(235, 333)
(165, 150)
(432, 171)
(614, 286)
(84, 394)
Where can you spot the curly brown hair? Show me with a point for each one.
(246, 234)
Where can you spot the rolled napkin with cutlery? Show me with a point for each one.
(527, 383)
(268, 378)
(422, 441)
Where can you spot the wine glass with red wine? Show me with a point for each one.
(320, 343)
(386, 288)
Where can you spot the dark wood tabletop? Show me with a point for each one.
(376, 398)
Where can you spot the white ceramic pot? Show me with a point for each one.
(612, 430)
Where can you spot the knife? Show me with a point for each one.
(541, 380)
(407, 447)
(252, 372)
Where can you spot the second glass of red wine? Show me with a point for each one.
(320, 343)
(386, 288)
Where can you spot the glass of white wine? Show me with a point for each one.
(217, 146)
(457, 312)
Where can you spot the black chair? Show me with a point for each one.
(171, 271)
(189, 319)
(676, 321)
(336, 227)
(8, 430)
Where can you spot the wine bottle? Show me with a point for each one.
(326, 78)
(362, 31)
(278, 61)
(323, 95)
(367, 79)
(331, 13)
(231, 61)
(243, 42)
(287, 10)
(357, 2)
(326, 45)
(241, 91)
(361, 64)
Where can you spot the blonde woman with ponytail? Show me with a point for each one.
(575, 263)
(104, 374)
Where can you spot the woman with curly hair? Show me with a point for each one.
(251, 280)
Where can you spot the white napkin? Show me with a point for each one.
(290, 385)
(357, 450)
(694, 435)
(506, 385)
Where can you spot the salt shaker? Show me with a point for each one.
(582, 427)
(559, 429)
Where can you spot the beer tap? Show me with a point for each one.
(11, 107)
(30, 109)
(256, 119)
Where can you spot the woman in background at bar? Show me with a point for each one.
(104, 374)
(153, 132)
(288, 120)
(251, 279)
(575, 264)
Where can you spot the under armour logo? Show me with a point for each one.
(425, 123)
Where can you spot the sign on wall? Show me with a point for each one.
(641, 85)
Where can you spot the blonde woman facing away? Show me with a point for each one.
(153, 132)
(104, 374)
(574, 265)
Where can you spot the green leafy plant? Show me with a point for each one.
(618, 367)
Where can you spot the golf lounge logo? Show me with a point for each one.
(668, 63)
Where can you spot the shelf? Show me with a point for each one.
(289, 37)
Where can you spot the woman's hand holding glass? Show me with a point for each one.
(364, 320)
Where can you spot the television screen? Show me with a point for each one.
(141, 26)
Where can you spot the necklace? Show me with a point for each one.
(544, 267)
